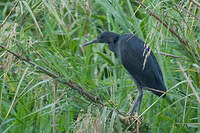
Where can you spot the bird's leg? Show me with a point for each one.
(140, 94)
(137, 101)
(134, 105)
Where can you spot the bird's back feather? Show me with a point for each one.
(132, 52)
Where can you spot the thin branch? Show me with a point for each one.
(187, 11)
(54, 107)
(23, 91)
(170, 55)
(11, 11)
(197, 123)
(189, 82)
(59, 79)
(71, 84)
(164, 23)
(196, 3)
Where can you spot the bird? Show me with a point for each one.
(139, 61)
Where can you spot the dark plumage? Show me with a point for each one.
(138, 60)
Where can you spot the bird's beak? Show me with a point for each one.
(91, 42)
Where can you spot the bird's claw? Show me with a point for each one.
(133, 118)
(137, 118)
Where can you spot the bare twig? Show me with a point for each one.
(196, 3)
(69, 83)
(164, 23)
(82, 91)
(54, 108)
(189, 123)
(185, 104)
(23, 91)
(16, 92)
(189, 82)
(11, 11)
(187, 11)
(170, 55)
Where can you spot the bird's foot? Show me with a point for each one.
(128, 120)
(135, 117)
(134, 122)
(138, 120)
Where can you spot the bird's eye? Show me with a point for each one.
(100, 38)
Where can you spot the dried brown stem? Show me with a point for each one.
(54, 108)
(11, 11)
(196, 3)
(189, 83)
(187, 11)
(170, 55)
(164, 23)
(69, 83)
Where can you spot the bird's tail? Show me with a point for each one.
(159, 92)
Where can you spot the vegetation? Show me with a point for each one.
(54, 85)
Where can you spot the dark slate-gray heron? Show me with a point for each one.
(138, 60)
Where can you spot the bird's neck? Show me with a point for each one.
(111, 46)
(113, 42)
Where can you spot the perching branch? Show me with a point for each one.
(69, 83)
(164, 23)
(59, 79)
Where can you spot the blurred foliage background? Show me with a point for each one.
(50, 32)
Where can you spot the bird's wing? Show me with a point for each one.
(133, 53)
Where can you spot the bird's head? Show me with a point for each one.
(106, 37)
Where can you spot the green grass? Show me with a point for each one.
(49, 33)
